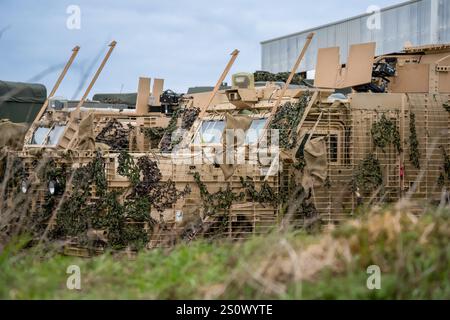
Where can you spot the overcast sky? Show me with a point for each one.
(185, 42)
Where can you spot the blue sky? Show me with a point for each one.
(185, 42)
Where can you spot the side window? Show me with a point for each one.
(47, 136)
(333, 147)
(55, 134)
(254, 132)
(39, 135)
(210, 132)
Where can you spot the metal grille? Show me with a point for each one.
(338, 202)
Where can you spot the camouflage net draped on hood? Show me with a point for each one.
(277, 77)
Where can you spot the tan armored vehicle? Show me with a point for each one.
(243, 160)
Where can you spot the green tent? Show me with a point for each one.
(20, 102)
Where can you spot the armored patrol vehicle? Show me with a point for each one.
(241, 160)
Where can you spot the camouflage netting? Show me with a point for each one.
(298, 206)
(384, 133)
(217, 205)
(221, 201)
(113, 218)
(162, 195)
(368, 176)
(188, 117)
(154, 135)
(414, 153)
(306, 209)
(116, 98)
(445, 169)
(446, 106)
(266, 194)
(13, 169)
(212, 216)
(278, 77)
(115, 135)
(287, 118)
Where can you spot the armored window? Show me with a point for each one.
(333, 147)
(254, 132)
(210, 132)
(54, 135)
(47, 136)
(39, 135)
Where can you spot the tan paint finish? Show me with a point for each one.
(158, 87)
(327, 67)
(411, 77)
(142, 96)
(330, 74)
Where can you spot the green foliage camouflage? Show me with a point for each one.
(13, 168)
(265, 76)
(167, 142)
(300, 163)
(115, 135)
(188, 117)
(215, 203)
(300, 201)
(286, 120)
(446, 106)
(50, 171)
(368, 176)
(266, 195)
(145, 178)
(126, 224)
(445, 170)
(384, 133)
(127, 167)
(154, 135)
(414, 153)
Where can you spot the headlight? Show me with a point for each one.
(52, 187)
(24, 186)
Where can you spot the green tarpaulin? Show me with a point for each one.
(20, 102)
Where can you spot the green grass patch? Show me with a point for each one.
(413, 256)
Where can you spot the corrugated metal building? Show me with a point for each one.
(418, 21)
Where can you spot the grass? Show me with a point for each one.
(413, 255)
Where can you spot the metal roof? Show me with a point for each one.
(339, 21)
(420, 22)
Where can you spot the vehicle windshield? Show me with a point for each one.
(210, 132)
(47, 136)
(254, 132)
(39, 135)
(55, 135)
